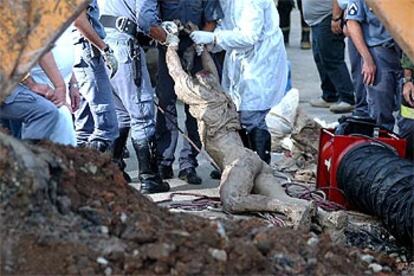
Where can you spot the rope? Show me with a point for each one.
(200, 203)
(309, 192)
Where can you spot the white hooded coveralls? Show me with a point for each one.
(255, 68)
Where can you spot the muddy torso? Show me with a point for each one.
(214, 110)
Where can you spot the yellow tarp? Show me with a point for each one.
(27, 29)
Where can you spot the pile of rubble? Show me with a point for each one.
(68, 211)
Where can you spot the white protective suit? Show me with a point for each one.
(255, 68)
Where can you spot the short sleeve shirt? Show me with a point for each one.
(374, 31)
(93, 14)
(143, 12)
(196, 11)
(343, 4)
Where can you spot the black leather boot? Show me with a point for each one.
(244, 135)
(118, 151)
(151, 181)
(100, 145)
(286, 34)
(261, 143)
(305, 43)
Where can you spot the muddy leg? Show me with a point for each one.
(236, 193)
(297, 210)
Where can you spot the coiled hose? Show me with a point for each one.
(378, 182)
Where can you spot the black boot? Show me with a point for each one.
(245, 138)
(286, 34)
(261, 143)
(151, 181)
(100, 145)
(305, 41)
(118, 151)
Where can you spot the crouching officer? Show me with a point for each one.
(134, 95)
(95, 121)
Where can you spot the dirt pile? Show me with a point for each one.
(68, 211)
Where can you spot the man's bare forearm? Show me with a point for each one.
(336, 10)
(210, 26)
(83, 25)
(357, 36)
(49, 66)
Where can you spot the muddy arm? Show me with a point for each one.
(208, 64)
(175, 68)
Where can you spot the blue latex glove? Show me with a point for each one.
(201, 37)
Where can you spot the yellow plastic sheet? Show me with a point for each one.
(27, 30)
(398, 18)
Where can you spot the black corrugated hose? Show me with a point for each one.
(377, 181)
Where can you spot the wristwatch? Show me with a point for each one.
(74, 85)
(407, 79)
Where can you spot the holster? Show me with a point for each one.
(136, 59)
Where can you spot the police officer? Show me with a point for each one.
(204, 14)
(381, 68)
(134, 95)
(95, 122)
(380, 61)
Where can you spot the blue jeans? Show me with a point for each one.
(96, 117)
(329, 55)
(382, 96)
(15, 127)
(250, 120)
(166, 130)
(37, 115)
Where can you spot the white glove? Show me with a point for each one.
(199, 49)
(170, 27)
(110, 61)
(202, 37)
(172, 40)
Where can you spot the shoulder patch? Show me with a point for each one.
(353, 9)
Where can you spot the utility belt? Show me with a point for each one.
(120, 23)
(124, 25)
